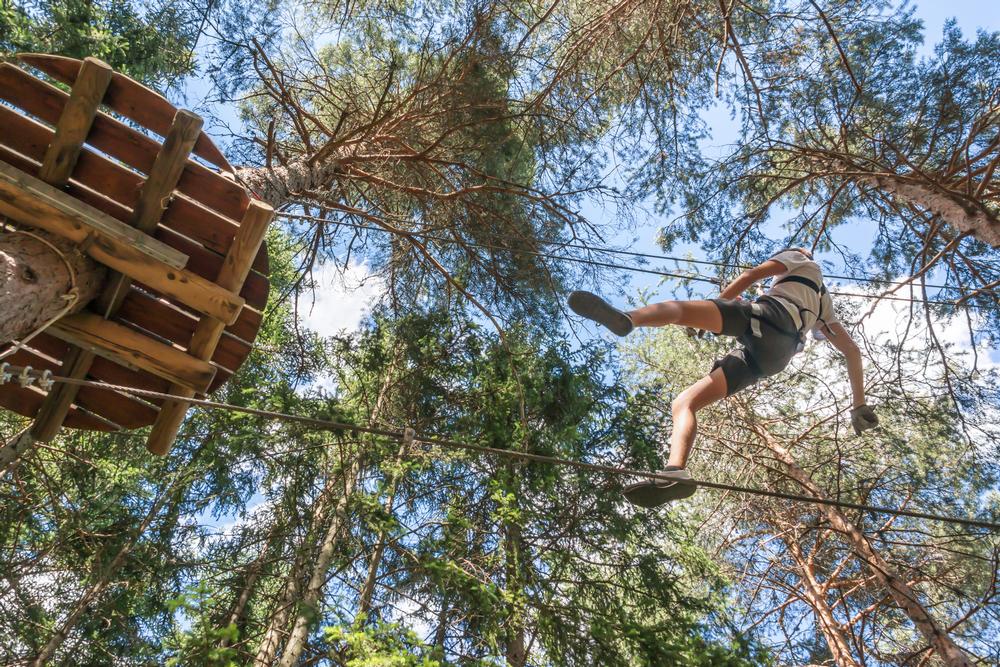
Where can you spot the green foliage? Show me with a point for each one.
(202, 643)
(153, 42)
(378, 645)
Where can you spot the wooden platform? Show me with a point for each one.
(111, 152)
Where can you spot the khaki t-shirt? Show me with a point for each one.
(795, 296)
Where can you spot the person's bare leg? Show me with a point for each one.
(698, 314)
(701, 394)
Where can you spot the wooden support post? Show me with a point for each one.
(129, 98)
(75, 121)
(57, 167)
(206, 336)
(155, 195)
(55, 407)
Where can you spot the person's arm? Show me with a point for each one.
(841, 339)
(862, 416)
(771, 267)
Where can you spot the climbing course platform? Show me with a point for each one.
(95, 157)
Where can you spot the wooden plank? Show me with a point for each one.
(178, 327)
(62, 401)
(155, 196)
(28, 401)
(106, 185)
(79, 220)
(180, 284)
(129, 98)
(117, 408)
(207, 264)
(120, 141)
(102, 370)
(75, 121)
(206, 336)
(134, 350)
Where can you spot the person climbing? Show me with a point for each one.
(771, 330)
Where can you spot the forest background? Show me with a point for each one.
(467, 164)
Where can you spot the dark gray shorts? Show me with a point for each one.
(760, 356)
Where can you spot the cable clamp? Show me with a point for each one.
(45, 382)
(25, 379)
(5, 375)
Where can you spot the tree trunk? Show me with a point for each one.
(311, 600)
(268, 648)
(901, 593)
(237, 613)
(34, 278)
(278, 186)
(516, 649)
(816, 597)
(368, 590)
(309, 605)
(962, 212)
(441, 632)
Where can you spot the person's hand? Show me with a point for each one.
(863, 418)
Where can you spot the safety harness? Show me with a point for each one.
(757, 313)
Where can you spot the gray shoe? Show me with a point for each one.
(655, 492)
(595, 308)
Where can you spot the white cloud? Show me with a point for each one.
(342, 297)
(893, 321)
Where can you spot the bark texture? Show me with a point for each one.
(278, 186)
(34, 279)
(965, 214)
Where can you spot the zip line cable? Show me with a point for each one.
(7, 371)
(631, 253)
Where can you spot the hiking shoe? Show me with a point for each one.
(595, 308)
(655, 492)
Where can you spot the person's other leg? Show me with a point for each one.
(697, 314)
(706, 391)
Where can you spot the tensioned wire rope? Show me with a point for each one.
(330, 425)
(696, 277)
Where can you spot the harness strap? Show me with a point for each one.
(755, 319)
(802, 280)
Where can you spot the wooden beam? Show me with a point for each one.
(154, 196)
(60, 158)
(130, 348)
(23, 205)
(75, 122)
(206, 335)
(75, 220)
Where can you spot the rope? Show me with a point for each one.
(71, 296)
(695, 277)
(329, 425)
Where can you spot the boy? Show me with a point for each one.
(771, 330)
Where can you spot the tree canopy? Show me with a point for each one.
(469, 156)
